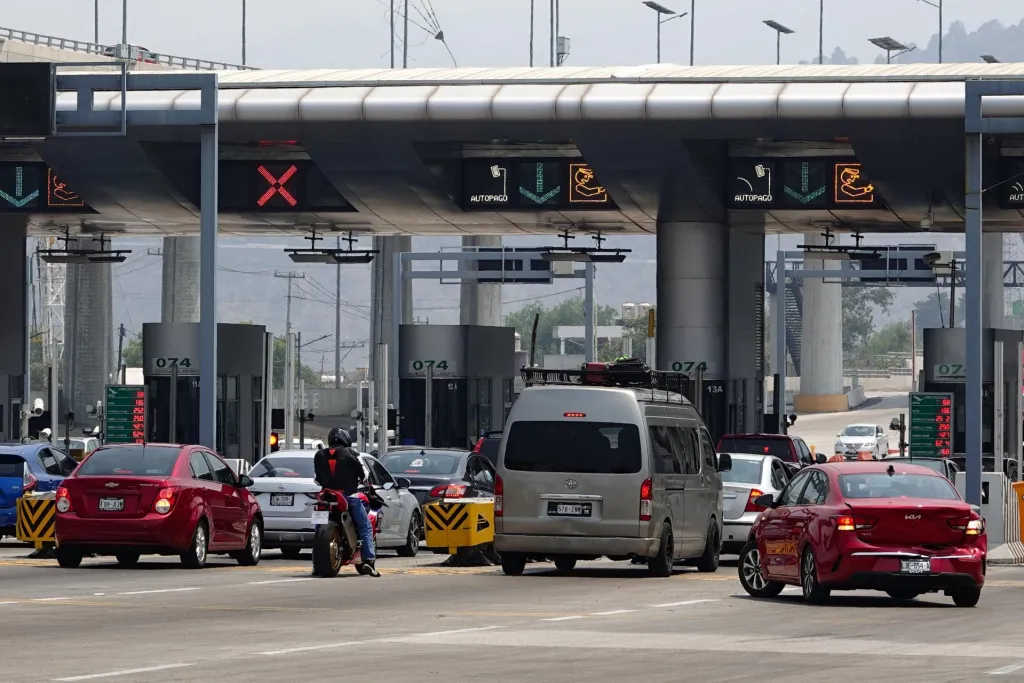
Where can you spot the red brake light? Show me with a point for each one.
(853, 523)
(754, 495)
(574, 414)
(499, 496)
(448, 491)
(63, 499)
(28, 482)
(646, 499)
(165, 500)
(479, 443)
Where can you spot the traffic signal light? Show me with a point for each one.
(274, 445)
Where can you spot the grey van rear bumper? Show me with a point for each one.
(576, 545)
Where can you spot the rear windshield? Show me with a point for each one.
(139, 461)
(777, 447)
(283, 467)
(899, 485)
(12, 465)
(418, 462)
(743, 472)
(573, 447)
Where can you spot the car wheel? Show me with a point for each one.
(69, 558)
(195, 556)
(565, 564)
(708, 562)
(412, 539)
(901, 594)
(813, 591)
(513, 564)
(966, 597)
(291, 552)
(128, 559)
(250, 556)
(752, 576)
(661, 564)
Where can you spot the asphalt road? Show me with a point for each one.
(820, 429)
(605, 622)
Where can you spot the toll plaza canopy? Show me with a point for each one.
(489, 151)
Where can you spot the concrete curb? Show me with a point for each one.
(1011, 553)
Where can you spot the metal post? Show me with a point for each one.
(652, 340)
(124, 22)
(26, 389)
(392, 34)
(268, 393)
(533, 11)
(209, 144)
(371, 407)
(302, 414)
(552, 32)
(54, 384)
(172, 416)
(974, 264)
(120, 353)
(1018, 414)
(396, 326)
(382, 440)
(913, 349)
(779, 360)
(289, 389)
(998, 398)
(588, 313)
(903, 435)
(96, 22)
(243, 32)
(952, 293)
(337, 325)
(941, 30)
(778, 48)
(405, 37)
(657, 18)
(558, 30)
(361, 424)
(693, 20)
(428, 409)
(821, 32)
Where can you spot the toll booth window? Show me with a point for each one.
(139, 461)
(573, 447)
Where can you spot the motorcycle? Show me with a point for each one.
(336, 542)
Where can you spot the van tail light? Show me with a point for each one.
(448, 491)
(28, 482)
(646, 500)
(63, 499)
(165, 500)
(853, 522)
(499, 495)
(971, 526)
(751, 507)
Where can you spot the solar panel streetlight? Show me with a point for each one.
(991, 59)
(779, 30)
(662, 11)
(890, 45)
(937, 4)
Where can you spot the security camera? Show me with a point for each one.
(37, 407)
(932, 258)
(895, 424)
(927, 223)
(90, 409)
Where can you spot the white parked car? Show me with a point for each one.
(862, 438)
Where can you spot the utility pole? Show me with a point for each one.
(533, 11)
(405, 37)
(124, 22)
(122, 370)
(289, 361)
(302, 392)
(337, 326)
(96, 22)
(821, 32)
(693, 24)
(243, 32)
(392, 34)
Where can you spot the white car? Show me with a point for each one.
(862, 438)
(752, 476)
(285, 487)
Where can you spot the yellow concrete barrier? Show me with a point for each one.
(453, 525)
(37, 519)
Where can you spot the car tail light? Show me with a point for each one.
(448, 491)
(854, 522)
(967, 525)
(646, 500)
(751, 507)
(63, 499)
(28, 482)
(499, 496)
(479, 445)
(165, 500)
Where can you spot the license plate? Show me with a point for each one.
(282, 499)
(320, 518)
(915, 566)
(569, 509)
(111, 504)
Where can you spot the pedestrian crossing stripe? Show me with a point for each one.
(36, 520)
(445, 516)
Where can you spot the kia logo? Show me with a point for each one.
(913, 517)
(571, 483)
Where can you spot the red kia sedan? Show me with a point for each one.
(163, 499)
(867, 525)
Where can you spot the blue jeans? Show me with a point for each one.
(362, 522)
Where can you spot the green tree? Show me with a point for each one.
(933, 310)
(893, 338)
(311, 376)
(568, 312)
(132, 352)
(859, 311)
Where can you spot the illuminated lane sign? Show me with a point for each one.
(931, 425)
(511, 183)
(33, 187)
(124, 418)
(1011, 191)
(799, 184)
(59, 195)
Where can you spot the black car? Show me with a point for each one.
(441, 473)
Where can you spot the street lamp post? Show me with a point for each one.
(821, 32)
(693, 18)
(660, 12)
(243, 32)
(779, 30)
(890, 45)
(937, 4)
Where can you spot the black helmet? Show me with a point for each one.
(339, 438)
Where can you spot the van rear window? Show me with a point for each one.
(573, 447)
(777, 447)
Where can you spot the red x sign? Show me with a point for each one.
(277, 185)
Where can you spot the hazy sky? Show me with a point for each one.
(354, 33)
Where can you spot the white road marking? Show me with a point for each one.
(685, 602)
(453, 632)
(9, 602)
(562, 618)
(161, 590)
(309, 648)
(49, 599)
(125, 672)
(792, 589)
(328, 646)
(611, 612)
(1007, 669)
(264, 583)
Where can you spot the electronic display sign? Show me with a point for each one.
(124, 417)
(27, 107)
(515, 183)
(931, 425)
(799, 184)
(33, 187)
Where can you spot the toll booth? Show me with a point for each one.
(944, 371)
(473, 369)
(244, 379)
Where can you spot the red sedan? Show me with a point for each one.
(133, 500)
(867, 525)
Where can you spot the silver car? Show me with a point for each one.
(751, 477)
(286, 489)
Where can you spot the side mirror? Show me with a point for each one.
(724, 462)
(765, 501)
(820, 459)
(245, 481)
(403, 483)
(388, 485)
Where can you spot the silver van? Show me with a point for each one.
(622, 472)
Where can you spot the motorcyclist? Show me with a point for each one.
(345, 473)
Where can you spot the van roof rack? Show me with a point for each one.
(665, 386)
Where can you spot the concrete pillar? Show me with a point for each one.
(480, 304)
(993, 310)
(692, 291)
(821, 350)
(745, 272)
(13, 332)
(180, 292)
(382, 303)
(88, 329)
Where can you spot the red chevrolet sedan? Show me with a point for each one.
(867, 525)
(163, 499)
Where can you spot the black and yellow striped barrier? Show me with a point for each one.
(37, 520)
(450, 526)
